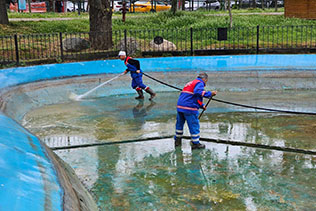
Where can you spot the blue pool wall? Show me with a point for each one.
(29, 177)
(21, 75)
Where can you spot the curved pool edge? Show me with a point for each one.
(33, 176)
(21, 75)
(28, 178)
(37, 169)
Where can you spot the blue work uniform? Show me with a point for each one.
(137, 78)
(189, 102)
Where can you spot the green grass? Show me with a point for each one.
(165, 20)
(161, 20)
(201, 21)
(30, 27)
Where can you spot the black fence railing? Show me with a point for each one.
(58, 47)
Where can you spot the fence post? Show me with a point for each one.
(61, 46)
(191, 38)
(16, 49)
(125, 41)
(258, 29)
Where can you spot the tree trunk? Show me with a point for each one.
(262, 4)
(254, 4)
(100, 15)
(29, 3)
(276, 5)
(230, 14)
(174, 6)
(3, 12)
(88, 6)
(49, 6)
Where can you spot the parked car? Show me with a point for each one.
(206, 4)
(118, 6)
(266, 3)
(233, 4)
(71, 7)
(141, 6)
(196, 5)
(244, 3)
(212, 4)
(280, 3)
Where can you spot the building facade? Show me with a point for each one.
(300, 9)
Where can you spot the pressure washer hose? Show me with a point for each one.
(218, 141)
(236, 104)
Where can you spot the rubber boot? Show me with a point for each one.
(197, 146)
(177, 141)
(140, 95)
(151, 92)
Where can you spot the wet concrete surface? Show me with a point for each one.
(156, 175)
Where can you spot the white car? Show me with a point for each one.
(118, 6)
(71, 7)
(213, 4)
(207, 4)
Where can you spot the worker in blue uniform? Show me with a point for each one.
(189, 102)
(133, 66)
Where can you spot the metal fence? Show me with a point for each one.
(59, 47)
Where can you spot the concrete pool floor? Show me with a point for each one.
(155, 175)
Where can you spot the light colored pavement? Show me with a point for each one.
(253, 13)
(47, 19)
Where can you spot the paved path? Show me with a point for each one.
(47, 19)
(246, 13)
(135, 16)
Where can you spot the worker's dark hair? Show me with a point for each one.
(203, 76)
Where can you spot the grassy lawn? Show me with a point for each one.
(161, 20)
(30, 27)
(183, 20)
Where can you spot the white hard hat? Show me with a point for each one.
(122, 53)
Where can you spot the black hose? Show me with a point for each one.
(237, 104)
(261, 146)
(108, 143)
(174, 87)
(218, 141)
(208, 102)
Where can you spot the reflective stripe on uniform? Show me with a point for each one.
(195, 139)
(195, 135)
(187, 108)
(188, 92)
